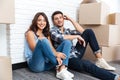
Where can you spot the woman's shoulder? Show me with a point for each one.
(29, 33)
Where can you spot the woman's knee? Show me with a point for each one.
(44, 41)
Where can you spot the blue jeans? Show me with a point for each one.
(43, 57)
(65, 47)
(81, 65)
(84, 65)
(89, 37)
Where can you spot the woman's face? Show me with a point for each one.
(41, 22)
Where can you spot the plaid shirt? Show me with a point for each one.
(57, 37)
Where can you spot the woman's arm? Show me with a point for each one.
(30, 39)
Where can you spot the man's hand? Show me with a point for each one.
(81, 40)
(67, 17)
(76, 24)
(60, 55)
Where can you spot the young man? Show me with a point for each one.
(59, 33)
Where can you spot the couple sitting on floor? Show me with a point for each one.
(46, 49)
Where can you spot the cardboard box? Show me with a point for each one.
(88, 1)
(5, 68)
(7, 11)
(107, 35)
(114, 18)
(94, 14)
(89, 54)
(111, 53)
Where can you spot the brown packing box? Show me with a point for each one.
(114, 18)
(107, 35)
(5, 68)
(111, 53)
(7, 11)
(94, 14)
(88, 1)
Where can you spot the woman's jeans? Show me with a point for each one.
(85, 65)
(43, 57)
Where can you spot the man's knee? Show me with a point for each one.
(89, 31)
(67, 42)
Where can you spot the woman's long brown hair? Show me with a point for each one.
(33, 27)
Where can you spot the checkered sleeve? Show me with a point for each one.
(75, 32)
(55, 36)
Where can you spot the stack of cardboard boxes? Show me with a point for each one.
(5, 68)
(106, 27)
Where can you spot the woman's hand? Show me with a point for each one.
(59, 61)
(60, 55)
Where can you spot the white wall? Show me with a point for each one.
(118, 5)
(114, 5)
(24, 12)
(3, 46)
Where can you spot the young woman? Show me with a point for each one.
(39, 52)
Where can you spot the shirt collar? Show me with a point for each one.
(59, 28)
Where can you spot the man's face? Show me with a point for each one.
(58, 20)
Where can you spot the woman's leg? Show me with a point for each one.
(86, 66)
(42, 57)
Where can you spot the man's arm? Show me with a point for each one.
(75, 24)
(58, 37)
(55, 36)
(71, 37)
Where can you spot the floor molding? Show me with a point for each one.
(19, 65)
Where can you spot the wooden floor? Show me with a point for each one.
(25, 74)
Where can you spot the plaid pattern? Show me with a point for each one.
(57, 38)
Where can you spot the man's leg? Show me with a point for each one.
(86, 66)
(90, 38)
(65, 47)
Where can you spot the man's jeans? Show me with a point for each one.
(85, 65)
(43, 57)
(65, 47)
(90, 38)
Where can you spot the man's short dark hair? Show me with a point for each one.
(56, 12)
